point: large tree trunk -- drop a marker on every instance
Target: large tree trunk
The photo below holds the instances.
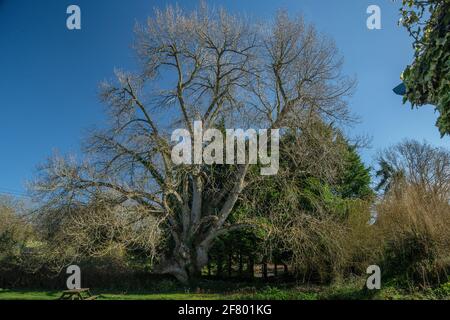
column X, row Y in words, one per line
column 195, row 234
column 184, row 264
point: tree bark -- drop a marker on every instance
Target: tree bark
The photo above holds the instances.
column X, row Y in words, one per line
column 185, row 264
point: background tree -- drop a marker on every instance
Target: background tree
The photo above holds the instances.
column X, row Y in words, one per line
column 417, row 164
column 387, row 176
column 427, row 79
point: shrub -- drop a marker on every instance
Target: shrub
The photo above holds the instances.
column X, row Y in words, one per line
column 415, row 225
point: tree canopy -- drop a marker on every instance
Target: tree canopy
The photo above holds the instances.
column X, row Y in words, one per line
column 205, row 65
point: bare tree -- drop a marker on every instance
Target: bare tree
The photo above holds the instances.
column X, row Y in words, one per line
column 418, row 164
column 205, row 65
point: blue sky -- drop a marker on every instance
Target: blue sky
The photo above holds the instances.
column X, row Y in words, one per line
column 49, row 75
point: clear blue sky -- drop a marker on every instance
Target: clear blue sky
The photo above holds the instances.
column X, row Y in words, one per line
column 49, row 75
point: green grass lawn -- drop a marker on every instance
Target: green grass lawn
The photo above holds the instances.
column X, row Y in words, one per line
column 348, row 291
column 54, row 295
column 269, row 294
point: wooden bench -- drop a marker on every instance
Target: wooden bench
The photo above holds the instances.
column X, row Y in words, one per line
column 77, row 294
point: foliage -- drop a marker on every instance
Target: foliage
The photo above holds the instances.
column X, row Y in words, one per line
column 103, row 230
column 17, row 236
column 356, row 179
column 427, row 80
column 415, row 228
column 413, row 216
column 313, row 211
